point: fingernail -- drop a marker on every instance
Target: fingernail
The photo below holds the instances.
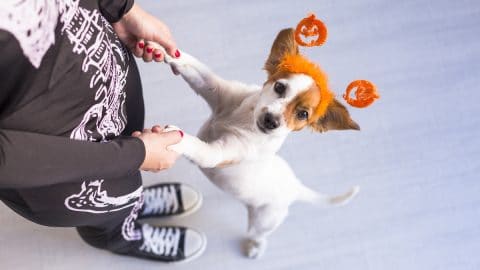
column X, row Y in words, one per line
column 149, row 50
column 157, row 55
column 177, row 53
column 181, row 133
column 141, row 45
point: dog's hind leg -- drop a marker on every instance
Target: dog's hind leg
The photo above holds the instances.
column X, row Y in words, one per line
column 262, row 221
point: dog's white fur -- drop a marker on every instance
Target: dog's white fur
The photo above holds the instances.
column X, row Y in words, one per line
column 234, row 153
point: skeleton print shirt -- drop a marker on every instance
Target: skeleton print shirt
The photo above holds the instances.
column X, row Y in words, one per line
column 67, row 88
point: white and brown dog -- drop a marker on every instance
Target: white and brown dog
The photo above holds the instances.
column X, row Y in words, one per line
column 236, row 148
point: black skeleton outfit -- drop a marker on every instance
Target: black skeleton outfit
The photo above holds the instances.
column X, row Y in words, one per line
column 70, row 96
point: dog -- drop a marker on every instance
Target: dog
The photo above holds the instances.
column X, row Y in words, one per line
column 236, row 147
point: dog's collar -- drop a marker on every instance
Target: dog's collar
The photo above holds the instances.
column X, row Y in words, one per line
column 297, row 63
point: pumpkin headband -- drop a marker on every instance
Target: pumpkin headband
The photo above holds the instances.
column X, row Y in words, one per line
column 310, row 27
column 297, row 63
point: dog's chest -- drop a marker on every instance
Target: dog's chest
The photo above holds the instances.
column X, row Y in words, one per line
column 239, row 180
column 222, row 124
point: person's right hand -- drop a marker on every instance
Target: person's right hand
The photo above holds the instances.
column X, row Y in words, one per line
column 138, row 28
column 157, row 157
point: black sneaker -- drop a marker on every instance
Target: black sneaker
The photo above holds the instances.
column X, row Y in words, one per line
column 169, row 244
column 169, row 199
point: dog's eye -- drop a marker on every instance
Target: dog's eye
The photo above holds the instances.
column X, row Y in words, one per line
column 302, row 115
column 279, row 88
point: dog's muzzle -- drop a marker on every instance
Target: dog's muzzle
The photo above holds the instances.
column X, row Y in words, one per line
column 268, row 122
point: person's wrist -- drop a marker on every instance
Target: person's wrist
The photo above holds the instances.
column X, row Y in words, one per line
column 133, row 12
column 143, row 155
column 128, row 6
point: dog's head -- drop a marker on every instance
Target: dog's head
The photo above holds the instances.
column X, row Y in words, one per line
column 296, row 94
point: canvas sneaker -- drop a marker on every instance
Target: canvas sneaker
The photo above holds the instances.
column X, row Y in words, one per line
column 169, row 244
column 169, row 199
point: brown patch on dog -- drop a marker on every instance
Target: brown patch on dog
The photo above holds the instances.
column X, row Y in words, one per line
column 305, row 101
column 336, row 118
column 226, row 163
column 284, row 44
column 272, row 78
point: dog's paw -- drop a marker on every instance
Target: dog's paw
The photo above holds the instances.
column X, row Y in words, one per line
column 169, row 128
column 254, row 249
column 179, row 68
column 183, row 65
column 179, row 147
column 184, row 60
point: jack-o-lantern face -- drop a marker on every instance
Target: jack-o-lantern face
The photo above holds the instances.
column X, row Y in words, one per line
column 310, row 32
column 365, row 93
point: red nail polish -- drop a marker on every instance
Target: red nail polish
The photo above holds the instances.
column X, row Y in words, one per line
column 177, row 53
column 141, row 45
column 157, row 55
column 181, row 133
column 149, row 50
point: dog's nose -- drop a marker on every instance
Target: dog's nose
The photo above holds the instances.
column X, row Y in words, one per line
column 270, row 121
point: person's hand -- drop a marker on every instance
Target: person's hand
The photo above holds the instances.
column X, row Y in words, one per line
column 137, row 28
column 157, row 157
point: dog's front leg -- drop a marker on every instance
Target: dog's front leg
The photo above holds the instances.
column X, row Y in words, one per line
column 200, row 78
column 207, row 155
column 195, row 73
column 203, row 154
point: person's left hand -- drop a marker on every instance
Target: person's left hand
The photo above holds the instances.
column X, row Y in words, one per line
column 137, row 28
column 156, row 142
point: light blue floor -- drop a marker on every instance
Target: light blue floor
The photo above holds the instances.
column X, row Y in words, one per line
column 416, row 159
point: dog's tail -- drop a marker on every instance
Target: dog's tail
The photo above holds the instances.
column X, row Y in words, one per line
column 308, row 195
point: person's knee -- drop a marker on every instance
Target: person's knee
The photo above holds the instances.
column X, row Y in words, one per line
column 96, row 237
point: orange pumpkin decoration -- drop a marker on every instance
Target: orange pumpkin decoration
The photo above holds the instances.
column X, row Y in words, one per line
column 365, row 93
column 310, row 28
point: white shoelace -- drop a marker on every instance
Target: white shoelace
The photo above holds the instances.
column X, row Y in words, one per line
column 161, row 200
column 160, row 241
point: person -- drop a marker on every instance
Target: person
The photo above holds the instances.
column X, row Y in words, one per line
column 72, row 142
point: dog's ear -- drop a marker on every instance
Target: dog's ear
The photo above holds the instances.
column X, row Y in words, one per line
column 284, row 44
column 335, row 118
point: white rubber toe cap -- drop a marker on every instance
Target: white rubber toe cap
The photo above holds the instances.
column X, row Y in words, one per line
column 195, row 244
column 191, row 199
